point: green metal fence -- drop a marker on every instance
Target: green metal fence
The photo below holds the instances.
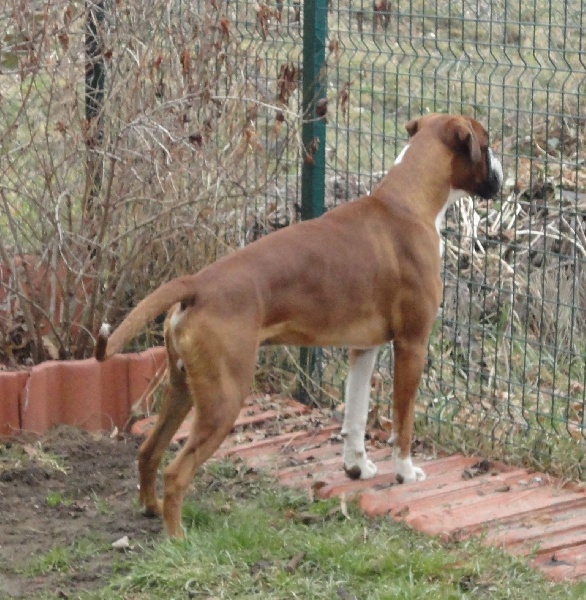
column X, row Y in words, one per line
column 506, row 370
column 506, row 367
column 235, row 92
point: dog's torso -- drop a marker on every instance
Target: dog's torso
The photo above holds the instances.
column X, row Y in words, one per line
column 361, row 264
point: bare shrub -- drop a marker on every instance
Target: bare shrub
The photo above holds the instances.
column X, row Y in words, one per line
column 159, row 181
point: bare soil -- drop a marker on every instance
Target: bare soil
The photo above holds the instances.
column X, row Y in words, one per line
column 82, row 502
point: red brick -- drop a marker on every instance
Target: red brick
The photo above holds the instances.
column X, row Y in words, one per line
column 12, row 384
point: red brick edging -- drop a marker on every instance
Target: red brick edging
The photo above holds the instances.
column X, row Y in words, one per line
column 82, row 393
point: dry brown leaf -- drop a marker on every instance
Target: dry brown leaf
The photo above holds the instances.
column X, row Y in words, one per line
column 315, row 486
column 385, row 424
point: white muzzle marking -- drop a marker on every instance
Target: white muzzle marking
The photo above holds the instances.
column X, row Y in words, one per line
column 494, row 164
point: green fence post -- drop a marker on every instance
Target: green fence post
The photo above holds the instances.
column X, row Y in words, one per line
column 314, row 140
column 314, row 91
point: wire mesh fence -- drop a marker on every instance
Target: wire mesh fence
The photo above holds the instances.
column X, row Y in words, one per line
column 506, row 368
column 202, row 152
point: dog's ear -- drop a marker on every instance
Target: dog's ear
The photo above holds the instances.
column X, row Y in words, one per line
column 412, row 127
column 462, row 137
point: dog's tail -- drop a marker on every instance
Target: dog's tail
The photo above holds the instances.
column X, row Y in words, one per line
column 163, row 298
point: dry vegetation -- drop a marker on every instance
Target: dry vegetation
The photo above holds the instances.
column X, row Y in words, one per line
column 200, row 154
column 162, row 180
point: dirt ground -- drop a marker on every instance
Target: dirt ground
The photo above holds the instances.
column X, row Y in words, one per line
column 67, row 490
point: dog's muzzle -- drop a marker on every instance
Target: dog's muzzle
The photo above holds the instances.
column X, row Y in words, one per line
column 494, row 181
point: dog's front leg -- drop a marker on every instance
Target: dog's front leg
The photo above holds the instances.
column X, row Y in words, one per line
column 356, row 464
column 409, row 362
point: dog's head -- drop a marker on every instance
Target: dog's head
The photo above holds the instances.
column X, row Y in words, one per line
column 475, row 169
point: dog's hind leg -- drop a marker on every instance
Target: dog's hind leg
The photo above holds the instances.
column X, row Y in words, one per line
column 356, row 464
column 176, row 404
column 409, row 362
column 218, row 389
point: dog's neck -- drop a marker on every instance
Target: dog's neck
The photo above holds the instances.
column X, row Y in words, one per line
column 445, row 197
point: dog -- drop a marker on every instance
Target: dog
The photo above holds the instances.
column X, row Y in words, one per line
column 365, row 273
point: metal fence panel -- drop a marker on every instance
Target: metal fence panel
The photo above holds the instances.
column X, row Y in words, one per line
column 203, row 92
column 506, row 367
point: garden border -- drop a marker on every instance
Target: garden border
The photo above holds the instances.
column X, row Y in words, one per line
column 83, row 393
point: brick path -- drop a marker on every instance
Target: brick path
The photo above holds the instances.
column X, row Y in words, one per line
column 518, row 510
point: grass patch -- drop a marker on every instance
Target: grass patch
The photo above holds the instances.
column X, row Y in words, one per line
column 64, row 559
column 55, row 499
column 101, row 505
column 16, row 456
column 56, row 559
column 246, row 537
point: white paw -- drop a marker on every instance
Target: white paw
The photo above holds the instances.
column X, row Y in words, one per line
column 406, row 472
column 417, row 474
column 368, row 470
column 361, row 469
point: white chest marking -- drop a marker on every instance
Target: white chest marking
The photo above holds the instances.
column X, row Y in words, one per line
column 175, row 319
column 453, row 196
column 401, row 155
column 439, row 221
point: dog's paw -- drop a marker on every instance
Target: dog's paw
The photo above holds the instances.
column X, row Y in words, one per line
column 363, row 469
column 153, row 510
column 406, row 472
column 369, row 470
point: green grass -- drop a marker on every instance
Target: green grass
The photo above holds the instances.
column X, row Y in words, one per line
column 55, row 499
column 63, row 559
column 248, row 538
column 56, row 559
column 101, row 505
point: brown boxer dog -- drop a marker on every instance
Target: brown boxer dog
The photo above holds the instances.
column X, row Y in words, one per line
column 365, row 273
